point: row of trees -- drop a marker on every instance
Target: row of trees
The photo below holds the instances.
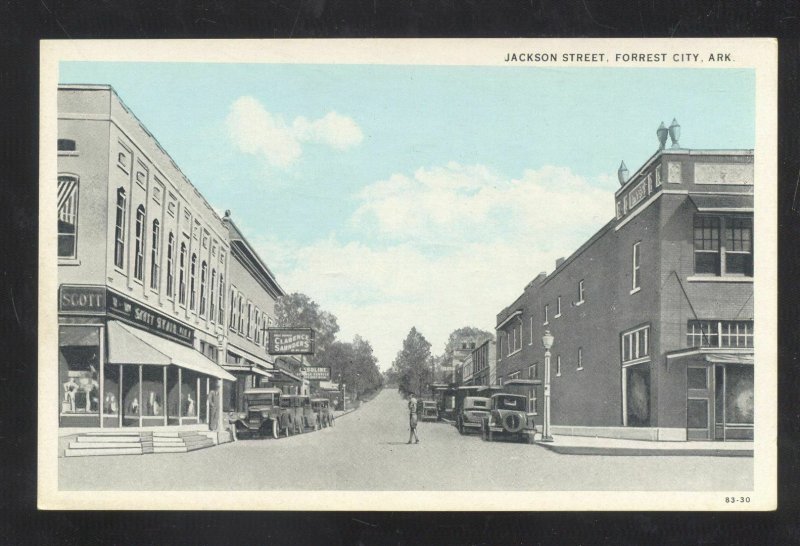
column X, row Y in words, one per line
column 351, row 362
column 415, row 367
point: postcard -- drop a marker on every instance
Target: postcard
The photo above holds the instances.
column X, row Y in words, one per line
column 440, row 274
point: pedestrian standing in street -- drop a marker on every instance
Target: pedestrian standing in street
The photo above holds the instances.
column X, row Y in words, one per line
column 412, row 419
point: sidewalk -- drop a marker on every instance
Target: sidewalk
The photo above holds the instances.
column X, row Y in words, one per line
column 586, row 445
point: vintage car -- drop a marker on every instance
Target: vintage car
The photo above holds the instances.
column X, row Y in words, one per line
column 292, row 404
column 429, row 411
column 473, row 411
column 263, row 415
column 322, row 408
column 508, row 418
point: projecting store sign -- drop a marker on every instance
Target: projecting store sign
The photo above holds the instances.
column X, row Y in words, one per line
column 320, row 373
column 291, row 341
column 131, row 312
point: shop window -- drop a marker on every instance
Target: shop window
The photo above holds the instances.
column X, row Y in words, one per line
column 182, row 275
column 138, row 263
column 739, row 395
column 193, row 283
column 111, row 393
column 67, row 216
column 203, row 281
column 153, row 391
column 719, row 333
column 636, row 265
column 723, row 245
column 170, row 265
column 155, row 256
column 131, row 396
column 78, row 365
column 119, row 229
column 212, row 312
column 189, row 395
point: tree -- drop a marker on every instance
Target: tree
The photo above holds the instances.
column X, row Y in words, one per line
column 412, row 363
column 353, row 364
column 299, row 311
column 468, row 334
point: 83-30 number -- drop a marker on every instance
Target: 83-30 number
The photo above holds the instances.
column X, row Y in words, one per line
column 730, row 500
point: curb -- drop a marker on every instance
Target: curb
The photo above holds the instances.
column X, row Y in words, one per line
column 644, row 452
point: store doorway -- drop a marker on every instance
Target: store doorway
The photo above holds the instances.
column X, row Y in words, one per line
column 719, row 402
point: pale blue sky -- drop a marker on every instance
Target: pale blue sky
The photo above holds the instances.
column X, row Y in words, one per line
column 493, row 123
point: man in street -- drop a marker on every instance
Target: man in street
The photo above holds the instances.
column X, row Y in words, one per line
column 412, row 419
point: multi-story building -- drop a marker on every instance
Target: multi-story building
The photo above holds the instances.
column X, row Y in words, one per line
column 142, row 261
column 467, row 372
column 653, row 315
column 484, row 364
column 252, row 294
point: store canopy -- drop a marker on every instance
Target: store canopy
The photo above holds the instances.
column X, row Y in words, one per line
column 282, row 376
column 730, row 358
column 258, row 371
column 723, row 203
column 134, row 346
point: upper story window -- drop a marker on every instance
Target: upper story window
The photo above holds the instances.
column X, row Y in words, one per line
column 636, row 345
column 119, row 228
column 221, row 316
column 580, row 358
column 558, row 307
column 234, row 318
column 547, row 314
column 67, row 145
column 257, row 333
column 719, row 333
column 249, row 328
column 636, row 264
column 242, row 331
column 558, row 366
column 138, row 263
column 531, row 330
column 723, row 245
column 193, row 283
column 212, row 312
column 203, row 287
column 533, row 371
column 182, row 275
column 581, row 292
column 155, row 256
column 67, row 216
column 170, row 265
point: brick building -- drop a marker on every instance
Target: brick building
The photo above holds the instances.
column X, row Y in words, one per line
column 653, row 315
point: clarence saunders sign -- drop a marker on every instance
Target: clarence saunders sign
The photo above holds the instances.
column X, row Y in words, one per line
column 290, row 341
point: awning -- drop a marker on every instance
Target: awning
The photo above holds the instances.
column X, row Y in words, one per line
column 728, row 358
column 723, row 203
column 128, row 345
column 282, row 376
column 258, row 371
column 524, row 382
column 516, row 313
column 245, row 355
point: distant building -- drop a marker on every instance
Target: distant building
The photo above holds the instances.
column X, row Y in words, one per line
column 653, row 315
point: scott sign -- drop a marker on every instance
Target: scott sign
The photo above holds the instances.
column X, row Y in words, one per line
column 290, row 341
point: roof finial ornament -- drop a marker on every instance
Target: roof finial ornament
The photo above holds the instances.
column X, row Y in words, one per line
column 622, row 173
column 227, row 213
column 675, row 133
column 661, row 132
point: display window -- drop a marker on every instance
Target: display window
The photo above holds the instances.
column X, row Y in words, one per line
column 79, row 365
column 173, row 395
column 131, row 403
column 153, row 391
column 189, row 395
column 111, row 394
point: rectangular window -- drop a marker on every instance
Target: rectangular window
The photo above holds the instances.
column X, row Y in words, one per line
column 138, row 263
column 67, row 216
column 233, row 319
column 716, row 333
column 738, row 246
column 212, row 313
column 636, row 265
column 558, row 306
column 242, row 331
column 580, row 291
column 558, row 366
column 531, row 327
column 723, row 245
column 636, row 344
column 546, row 313
column 221, row 317
column 533, row 371
column 119, row 228
column 580, row 358
column 155, row 256
column 170, row 265
column 706, row 245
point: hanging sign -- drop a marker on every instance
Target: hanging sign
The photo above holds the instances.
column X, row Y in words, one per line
column 290, row 341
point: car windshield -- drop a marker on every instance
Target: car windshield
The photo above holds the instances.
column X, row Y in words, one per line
column 259, row 400
column 477, row 404
column 511, row 403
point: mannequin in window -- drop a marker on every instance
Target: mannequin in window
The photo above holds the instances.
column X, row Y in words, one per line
column 70, row 388
column 134, row 407
column 189, row 405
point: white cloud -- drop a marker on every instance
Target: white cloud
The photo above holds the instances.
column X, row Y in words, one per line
column 254, row 130
column 462, row 245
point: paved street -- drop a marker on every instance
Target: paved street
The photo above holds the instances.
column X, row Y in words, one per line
column 367, row 450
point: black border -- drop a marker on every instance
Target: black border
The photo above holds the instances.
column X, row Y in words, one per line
column 23, row 23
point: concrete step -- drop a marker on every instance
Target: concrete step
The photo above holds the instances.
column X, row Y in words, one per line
column 170, row 449
column 109, row 438
column 162, row 434
column 167, row 439
column 69, row 452
column 111, row 433
column 102, row 445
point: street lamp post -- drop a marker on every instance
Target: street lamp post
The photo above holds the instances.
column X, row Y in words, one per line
column 547, row 342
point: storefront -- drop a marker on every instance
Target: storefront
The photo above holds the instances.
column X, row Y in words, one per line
column 248, row 372
column 124, row 365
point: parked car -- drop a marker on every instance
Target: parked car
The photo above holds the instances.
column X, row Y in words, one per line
column 310, row 419
column 430, row 412
column 323, row 409
column 508, row 418
column 473, row 410
column 292, row 404
column 263, row 415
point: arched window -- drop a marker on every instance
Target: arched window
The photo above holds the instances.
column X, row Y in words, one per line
column 182, row 276
column 67, row 216
column 155, row 256
column 138, row 264
column 241, row 315
column 193, row 283
column 233, row 319
column 119, row 230
column 212, row 312
column 203, row 280
column 170, row 265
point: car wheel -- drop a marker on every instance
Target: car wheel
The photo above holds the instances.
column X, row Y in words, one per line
column 484, row 437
